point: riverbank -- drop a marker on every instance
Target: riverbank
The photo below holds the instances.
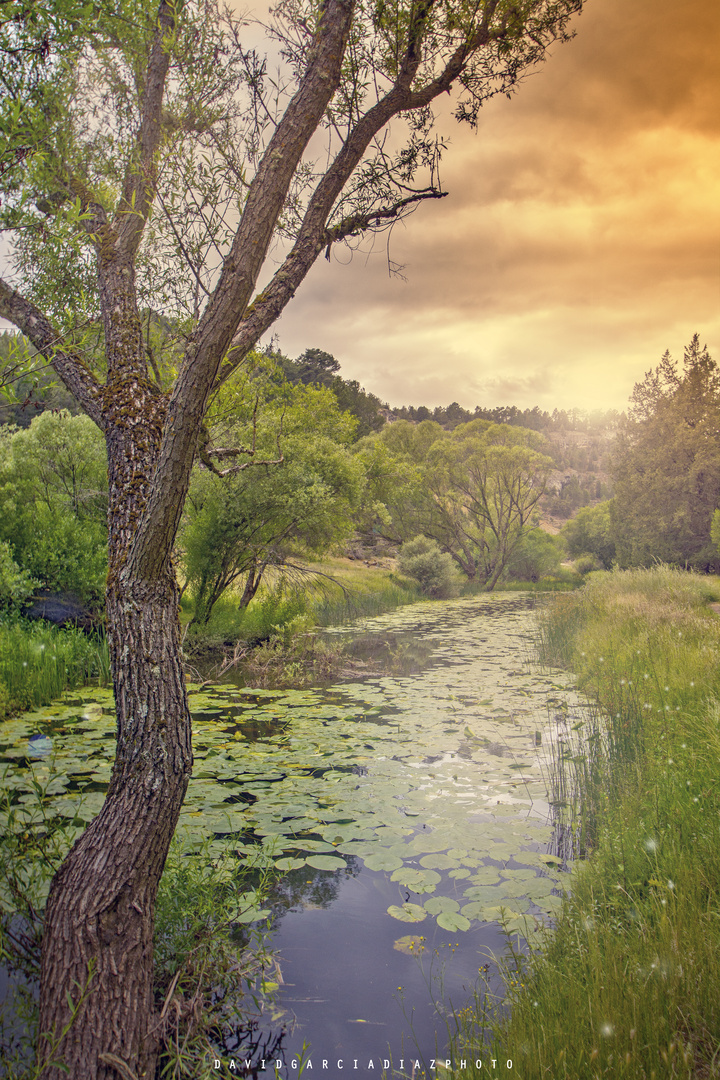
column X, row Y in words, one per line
column 274, row 642
column 628, row 984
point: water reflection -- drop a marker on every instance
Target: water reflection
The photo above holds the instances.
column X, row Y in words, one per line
column 412, row 800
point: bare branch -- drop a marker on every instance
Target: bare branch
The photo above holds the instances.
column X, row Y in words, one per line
column 140, row 181
column 212, row 338
column 206, row 453
column 233, row 470
column 270, row 185
column 358, row 223
column 66, row 363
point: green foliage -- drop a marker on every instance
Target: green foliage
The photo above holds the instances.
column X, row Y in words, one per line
column 422, row 560
column 590, row 532
column 273, row 612
column 27, row 383
column 53, row 499
column 38, row 662
column 715, row 529
column 471, row 490
column 207, row 955
column 585, row 564
column 213, row 970
column 33, row 843
column 628, row 984
column 536, row 555
column 360, row 591
column 15, row 584
column 295, row 493
column 318, row 368
column 666, row 466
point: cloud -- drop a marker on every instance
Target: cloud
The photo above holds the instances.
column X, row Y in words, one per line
column 579, row 239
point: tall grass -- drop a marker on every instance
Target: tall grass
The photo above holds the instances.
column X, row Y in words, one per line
column 628, row 984
column 329, row 593
column 368, row 594
column 38, row 662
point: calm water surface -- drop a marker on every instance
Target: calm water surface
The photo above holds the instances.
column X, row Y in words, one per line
column 404, row 809
column 445, row 777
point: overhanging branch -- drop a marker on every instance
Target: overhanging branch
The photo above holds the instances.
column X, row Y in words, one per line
column 359, row 223
column 68, row 364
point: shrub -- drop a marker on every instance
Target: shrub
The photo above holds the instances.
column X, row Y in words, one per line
column 590, row 532
column 537, row 555
column 585, row 564
column 422, row 560
column 15, row 584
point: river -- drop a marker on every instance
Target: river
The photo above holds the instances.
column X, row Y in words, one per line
column 407, row 812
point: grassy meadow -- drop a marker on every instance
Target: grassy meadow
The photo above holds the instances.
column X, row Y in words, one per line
column 628, row 983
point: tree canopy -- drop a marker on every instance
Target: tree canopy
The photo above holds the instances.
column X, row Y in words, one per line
column 472, row 490
column 297, row 497
column 53, row 502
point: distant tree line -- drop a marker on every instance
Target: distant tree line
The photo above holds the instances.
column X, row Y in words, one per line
column 304, row 460
column 450, row 416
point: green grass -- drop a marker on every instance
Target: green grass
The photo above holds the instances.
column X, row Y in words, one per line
column 327, row 593
column 628, row 984
column 38, row 662
column 361, row 591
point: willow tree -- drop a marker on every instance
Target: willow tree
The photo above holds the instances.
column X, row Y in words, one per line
column 150, row 163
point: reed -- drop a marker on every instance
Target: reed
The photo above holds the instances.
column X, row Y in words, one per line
column 39, row 662
column 627, row 984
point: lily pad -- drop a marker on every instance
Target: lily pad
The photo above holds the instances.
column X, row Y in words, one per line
column 326, row 862
column 411, row 944
column 419, row 881
column 438, row 904
column 452, row 921
column 438, row 862
column 407, row 912
column 289, row 864
column 383, row 860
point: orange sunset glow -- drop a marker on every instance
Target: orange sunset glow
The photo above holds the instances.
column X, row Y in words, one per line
column 580, row 237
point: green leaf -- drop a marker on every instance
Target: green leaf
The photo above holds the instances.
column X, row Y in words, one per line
column 407, row 913
column 383, row 860
column 450, row 920
column 289, row 864
column 438, row 904
column 326, row 862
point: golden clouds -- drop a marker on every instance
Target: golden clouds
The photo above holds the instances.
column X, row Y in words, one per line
column 581, row 236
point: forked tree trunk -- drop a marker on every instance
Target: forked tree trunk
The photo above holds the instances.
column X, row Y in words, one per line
column 100, row 916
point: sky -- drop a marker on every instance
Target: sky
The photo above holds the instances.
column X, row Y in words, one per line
column 580, row 238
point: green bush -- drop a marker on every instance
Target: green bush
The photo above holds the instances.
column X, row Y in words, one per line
column 590, row 532
column 15, row 584
column 537, row 555
column 585, row 564
column 422, row 560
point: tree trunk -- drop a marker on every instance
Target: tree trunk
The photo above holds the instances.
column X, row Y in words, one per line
column 252, row 584
column 99, row 922
column 100, row 916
